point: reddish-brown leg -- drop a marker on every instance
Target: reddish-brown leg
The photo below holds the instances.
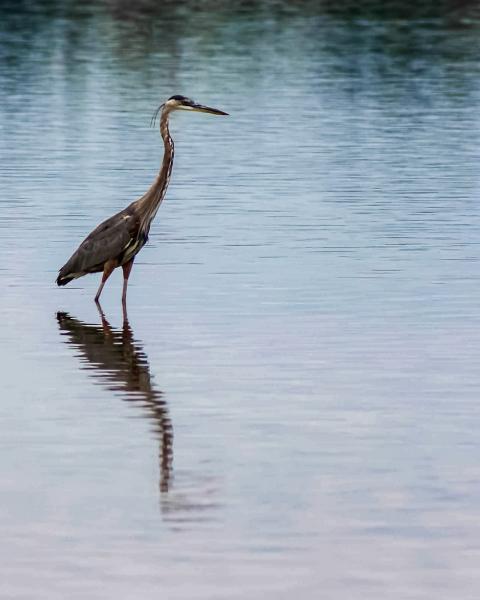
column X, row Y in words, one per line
column 127, row 267
column 107, row 271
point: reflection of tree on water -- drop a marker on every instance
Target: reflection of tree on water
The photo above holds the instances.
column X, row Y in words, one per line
column 115, row 359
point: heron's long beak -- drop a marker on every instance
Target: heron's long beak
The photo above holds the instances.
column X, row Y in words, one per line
column 206, row 109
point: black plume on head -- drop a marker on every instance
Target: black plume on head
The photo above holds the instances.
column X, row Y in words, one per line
column 180, row 98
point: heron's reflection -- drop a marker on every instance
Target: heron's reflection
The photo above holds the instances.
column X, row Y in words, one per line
column 118, row 361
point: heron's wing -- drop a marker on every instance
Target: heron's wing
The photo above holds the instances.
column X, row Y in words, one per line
column 105, row 242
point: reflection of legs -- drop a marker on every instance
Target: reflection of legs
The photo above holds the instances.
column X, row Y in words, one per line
column 127, row 267
column 105, row 323
column 107, row 271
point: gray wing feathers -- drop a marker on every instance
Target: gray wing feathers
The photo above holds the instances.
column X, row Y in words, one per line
column 105, row 242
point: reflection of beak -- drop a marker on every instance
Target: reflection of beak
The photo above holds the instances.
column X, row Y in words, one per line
column 206, row 109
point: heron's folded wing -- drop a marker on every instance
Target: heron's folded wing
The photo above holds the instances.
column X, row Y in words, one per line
column 105, row 242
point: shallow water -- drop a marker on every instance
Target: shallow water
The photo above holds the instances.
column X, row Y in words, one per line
column 292, row 404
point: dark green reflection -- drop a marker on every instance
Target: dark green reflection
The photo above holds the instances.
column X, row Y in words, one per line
column 117, row 361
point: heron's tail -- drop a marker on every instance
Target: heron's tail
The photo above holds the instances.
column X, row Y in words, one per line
column 64, row 279
column 70, row 271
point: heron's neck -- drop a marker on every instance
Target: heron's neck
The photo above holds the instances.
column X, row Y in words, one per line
column 151, row 201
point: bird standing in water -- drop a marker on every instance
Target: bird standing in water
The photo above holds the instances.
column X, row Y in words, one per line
column 116, row 241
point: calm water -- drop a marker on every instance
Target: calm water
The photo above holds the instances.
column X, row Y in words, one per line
column 292, row 407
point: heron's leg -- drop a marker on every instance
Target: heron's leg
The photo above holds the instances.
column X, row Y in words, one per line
column 107, row 271
column 127, row 267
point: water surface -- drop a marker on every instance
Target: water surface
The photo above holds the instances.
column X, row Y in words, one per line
column 291, row 404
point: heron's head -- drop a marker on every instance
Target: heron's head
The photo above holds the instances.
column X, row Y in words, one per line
column 182, row 103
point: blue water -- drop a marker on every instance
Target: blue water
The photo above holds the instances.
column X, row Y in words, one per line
column 292, row 405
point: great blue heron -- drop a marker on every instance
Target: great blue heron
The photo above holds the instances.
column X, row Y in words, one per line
column 116, row 241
